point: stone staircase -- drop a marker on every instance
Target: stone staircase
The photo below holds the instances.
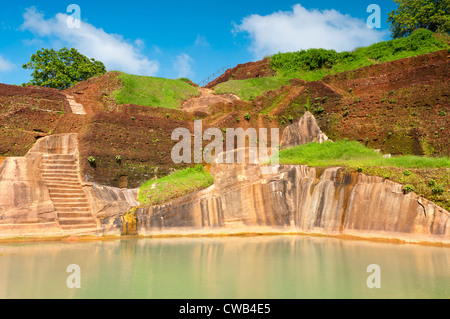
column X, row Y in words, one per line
column 77, row 108
column 60, row 173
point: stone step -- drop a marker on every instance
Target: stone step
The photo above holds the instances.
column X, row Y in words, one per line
column 73, row 208
column 68, row 173
column 57, row 175
column 62, row 181
column 78, row 228
column 78, row 221
column 59, row 193
column 74, row 215
column 69, row 206
column 62, row 157
column 76, row 201
column 55, row 166
column 64, row 187
column 59, row 162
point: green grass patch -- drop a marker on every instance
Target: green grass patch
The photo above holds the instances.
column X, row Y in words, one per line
column 314, row 64
column 353, row 154
column 153, row 91
column 426, row 176
column 249, row 89
column 175, row 185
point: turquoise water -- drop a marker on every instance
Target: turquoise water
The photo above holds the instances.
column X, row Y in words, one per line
column 233, row 267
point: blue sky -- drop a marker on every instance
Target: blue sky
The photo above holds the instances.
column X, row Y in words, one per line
column 181, row 38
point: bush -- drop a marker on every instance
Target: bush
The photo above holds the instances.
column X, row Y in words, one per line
column 408, row 188
column 406, row 172
column 247, row 116
column 319, row 110
column 438, row 190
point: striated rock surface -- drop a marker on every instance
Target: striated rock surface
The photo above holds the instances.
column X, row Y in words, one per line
column 41, row 194
column 305, row 131
column 296, row 199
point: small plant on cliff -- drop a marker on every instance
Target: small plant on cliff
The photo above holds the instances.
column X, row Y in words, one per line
column 291, row 119
column 406, row 173
column 359, row 169
column 247, row 116
column 91, row 159
column 408, row 188
column 319, row 110
column 118, row 159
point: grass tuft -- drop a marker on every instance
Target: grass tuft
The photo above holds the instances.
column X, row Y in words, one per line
column 175, row 185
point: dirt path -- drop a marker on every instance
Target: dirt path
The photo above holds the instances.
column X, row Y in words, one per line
column 206, row 99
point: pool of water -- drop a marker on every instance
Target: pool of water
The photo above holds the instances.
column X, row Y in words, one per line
column 287, row 267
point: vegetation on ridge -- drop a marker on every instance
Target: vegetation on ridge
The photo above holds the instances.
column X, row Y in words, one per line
column 314, row 64
column 153, row 91
column 62, row 69
column 175, row 185
column 427, row 176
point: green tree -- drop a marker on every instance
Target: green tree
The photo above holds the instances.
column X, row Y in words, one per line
column 410, row 15
column 62, row 69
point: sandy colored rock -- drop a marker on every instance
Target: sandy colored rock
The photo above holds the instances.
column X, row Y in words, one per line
column 298, row 199
column 306, row 130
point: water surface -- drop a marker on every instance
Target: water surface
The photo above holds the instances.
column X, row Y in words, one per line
column 232, row 267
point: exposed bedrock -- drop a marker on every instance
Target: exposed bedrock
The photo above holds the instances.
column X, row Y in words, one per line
column 42, row 194
column 305, row 131
column 297, row 199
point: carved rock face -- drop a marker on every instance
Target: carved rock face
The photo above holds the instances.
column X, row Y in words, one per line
column 304, row 132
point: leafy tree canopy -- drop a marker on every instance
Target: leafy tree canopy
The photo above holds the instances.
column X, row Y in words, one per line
column 62, row 69
column 410, row 15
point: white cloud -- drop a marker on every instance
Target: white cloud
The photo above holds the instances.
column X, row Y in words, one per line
column 201, row 41
column 302, row 29
column 183, row 65
column 5, row 65
column 115, row 52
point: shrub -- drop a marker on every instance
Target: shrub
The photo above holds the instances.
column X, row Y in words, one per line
column 359, row 169
column 438, row 190
column 432, row 183
column 319, row 110
column 406, row 172
column 247, row 116
column 408, row 188
column 291, row 119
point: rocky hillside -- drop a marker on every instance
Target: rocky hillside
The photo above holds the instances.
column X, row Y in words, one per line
column 399, row 107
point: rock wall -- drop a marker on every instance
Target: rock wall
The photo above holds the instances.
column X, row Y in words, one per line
column 305, row 131
column 26, row 206
column 297, row 199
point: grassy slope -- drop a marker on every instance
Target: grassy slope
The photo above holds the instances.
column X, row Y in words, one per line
column 314, row 64
column 173, row 186
column 248, row 89
column 428, row 176
column 152, row 91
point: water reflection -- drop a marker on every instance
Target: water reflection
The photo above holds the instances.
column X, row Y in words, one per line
column 255, row 267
